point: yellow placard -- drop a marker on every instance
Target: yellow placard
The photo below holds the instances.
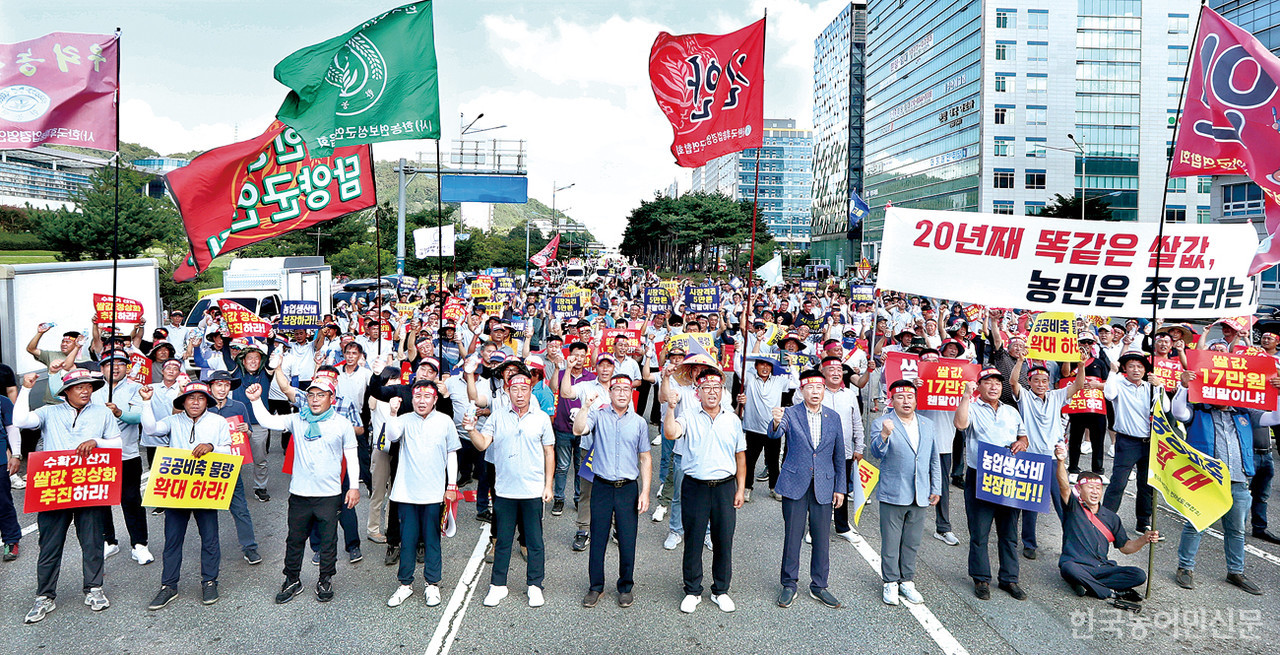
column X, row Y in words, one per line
column 179, row 479
column 480, row 290
column 1194, row 484
column 493, row 308
column 1052, row 336
column 704, row 339
column 868, row 475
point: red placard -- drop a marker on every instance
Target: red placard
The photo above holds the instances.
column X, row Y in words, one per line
column 1169, row 372
column 900, row 366
column 126, row 310
column 941, row 383
column 139, row 368
column 1085, row 401
column 607, row 336
column 61, row 479
column 972, row 312
column 454, row 310
column 406, row 372
column 727, row 358
column 240, row 438
column 1232, row 380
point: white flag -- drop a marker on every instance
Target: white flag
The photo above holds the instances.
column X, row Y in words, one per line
column 771, row 273
column 426, row 241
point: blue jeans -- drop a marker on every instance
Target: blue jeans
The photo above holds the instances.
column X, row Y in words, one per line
column 10, row 529
column 1232, row 532
column 664, row 460
column 677, row 525
column 567, row 453
column 1259, row 487
column 240, row 512
column 175, row 535
column 420, row 521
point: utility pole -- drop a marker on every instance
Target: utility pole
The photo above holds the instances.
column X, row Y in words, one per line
column 319, row 234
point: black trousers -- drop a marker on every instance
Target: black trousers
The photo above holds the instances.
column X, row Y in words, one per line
column 53, row 536
column 756, row 442
column 281, row 408
column 981, row 515
column 702, row 504
column 1096, row 424
column 306, row 512
column 507, row 512
column 841, row 513
column 796, row 515
column 135, row 518
column 1102, row 579
column 610, row 504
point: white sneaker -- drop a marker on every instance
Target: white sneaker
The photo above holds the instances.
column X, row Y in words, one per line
column 657, row 441
column 706, row 541
column 402, row 594
column 110, row 549
column 495, row 595
column 535, row 597
column 948, row 538
column 432, row 593
column 851, row 536
column 808, row 538
column 890, row 593
column 659, row 513
column 724, row 601
column 17, row 482
column 141, row 555
column 672, row 541
column 689, row 604
column 746, row 495
column 1086, row 448
column 1072, row 477
column 909, row 593
column 96, row 600
column 1111, row 452
column 1107, row 479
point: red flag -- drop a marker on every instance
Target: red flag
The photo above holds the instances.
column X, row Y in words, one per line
column 546, row 254
column 59, row 89
column 711, row 87
column 251, row 191
column 1228, row 124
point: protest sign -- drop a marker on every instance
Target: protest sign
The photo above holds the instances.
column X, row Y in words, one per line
column 808, row 285
column 1194, row 484
column 861, row 293
column 1084, row 401
column 1053, row 337
column 407, row 284
column 492, row 308
column 868, row 476
column 139, row 367
column 480, row 289
column 454, row 310
column 608, row 335
column 62, row 479
column 178, row 479
column 702, row 300
column 704, row 339
column 241, row 322
column 504, row 286
column 657, row 299
column 126, row 311
column 405, row 311
column 299, row 315
column 900, row 366
column 240, row 446
column 1021, row 481
column 1169, row 372
column 1234, row 380
column 1053, row 264
column 972, row 311
column 941, row 383
column 565, row 306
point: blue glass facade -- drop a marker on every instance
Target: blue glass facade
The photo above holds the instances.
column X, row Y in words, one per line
column 1261, row 17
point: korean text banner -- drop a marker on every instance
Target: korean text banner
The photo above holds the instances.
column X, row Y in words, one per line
column 862, row 293
column 139, row 367
column 868, row 476
column 566, row 306
column 711, row 88
column 1021, row 480
column 426, row 241
column 657, row 299
column 299, row 315
column 1233, row 380
column 59, row 89
column 179, row 479
column 241, row 322
column 1169, row 372
column 1084, row 401
column 702, row 299
column 454, row 309
column 1196, row 485
column 1053, row 337
column 941, row 384
column 61, row 479
column 251, row 191
column 126, row 310
column 1052, row 264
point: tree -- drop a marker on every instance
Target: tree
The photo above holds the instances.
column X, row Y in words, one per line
column 1096, row 209
column 14, row 220
column 359, row 260
column 694, row 232
column 88, row 230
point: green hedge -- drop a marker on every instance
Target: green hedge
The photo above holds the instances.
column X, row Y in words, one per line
column 24, row 241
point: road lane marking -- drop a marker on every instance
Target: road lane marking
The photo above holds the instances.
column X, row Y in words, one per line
column 938, row 632
column 1212, row 532
column 449, row 624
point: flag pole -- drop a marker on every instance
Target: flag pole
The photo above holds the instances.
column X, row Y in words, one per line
column 115, row 218
column 377, row 274
column 440, row 244
column 755, row 204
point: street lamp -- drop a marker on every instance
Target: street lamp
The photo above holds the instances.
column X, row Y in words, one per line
column 1084, row 178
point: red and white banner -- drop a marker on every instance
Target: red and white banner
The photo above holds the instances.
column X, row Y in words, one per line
column 711, row 88
column 60, row 89
column 1084, row 401
column 1233, row 380
column 1169, row 372
column 941, row 383
column 241, row 322
column 1228, row 123
column 548, row 253
column 139, row 367
column 61, row 479
column 124, row 309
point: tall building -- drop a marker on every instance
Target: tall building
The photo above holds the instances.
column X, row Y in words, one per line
column 838, row 59
column 967, row 110
column 786, row 174
column 44, row 177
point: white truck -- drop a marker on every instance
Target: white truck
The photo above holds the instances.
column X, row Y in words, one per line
column 260, row 284
column 62, row 293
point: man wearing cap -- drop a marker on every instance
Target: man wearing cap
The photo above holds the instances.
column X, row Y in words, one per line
column 764, row 392
column 179, row 334
column 812, row 481
column 523, row 455
column 941, row 428
column 200, row 431
column 1131, row 396
column 567, row 445
column 323, row 440
column 221, row 384
column 80, row 425
column 250, row 369
column 990, row 421
column 70, row 343
column 597, row 389
column 426, row 478
column 1096, row 364
column 126, row 407
column 715, row 476
column 617, row 439
column 843, row 398
column 910, row 481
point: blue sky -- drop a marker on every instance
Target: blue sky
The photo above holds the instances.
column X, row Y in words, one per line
column 569, row 77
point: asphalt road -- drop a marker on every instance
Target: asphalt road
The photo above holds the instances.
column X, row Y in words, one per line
column 1215, row 617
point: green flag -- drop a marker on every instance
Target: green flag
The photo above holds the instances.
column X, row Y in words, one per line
column 375, row 83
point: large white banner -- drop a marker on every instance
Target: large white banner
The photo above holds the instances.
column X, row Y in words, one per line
column 1055, row 264
column 425, row 241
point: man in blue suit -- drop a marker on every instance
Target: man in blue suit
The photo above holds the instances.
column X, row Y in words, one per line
column 910, row 482
column 812, row 480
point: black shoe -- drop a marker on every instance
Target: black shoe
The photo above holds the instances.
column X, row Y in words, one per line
column 209, row 592
column 1185, row 578
column 355, row 555
column 580, row 542
column 324, row 591
column 252, row 557
column 157, row 511
column 262, row 495
column 957, row 481
column 393, row 556
column 1266, row 536
column 1130, row 596
column 823, row 596
column 166, row 596
column 624, row 599
column 557, row 508
column 1079, row 590
column 422, row 553
column 486, row 516
column 1014, row 590
column 1029, row 553
column 786, row 597
column 1244, row 583
column 982, row 590
column 591, row 598
column 288, row 590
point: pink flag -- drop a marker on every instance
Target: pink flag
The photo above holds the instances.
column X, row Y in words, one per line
column 60, row 89
column 546, row 254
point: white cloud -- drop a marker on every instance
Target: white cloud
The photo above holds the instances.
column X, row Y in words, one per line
column 139, row 123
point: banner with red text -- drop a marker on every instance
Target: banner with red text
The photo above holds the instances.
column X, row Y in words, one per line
column 241, row 322
column 1233, row 380
column 941, row 383
column 61, row 479
column 126, row 310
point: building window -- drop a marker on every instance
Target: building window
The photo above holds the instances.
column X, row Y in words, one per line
column 1202, row 215
column 1006, row 19
column 1003, row 178
column 1034, row 208
column 1036, row 115
column 1243, row 199
column 1175, row 214
column 1038, row 19
column 1037, row 84
column 1176, row 185
column 1004, row 51
column 1204, row 183
column 1178, row 55
column 1038, row 51
column 1178, row 23
column 1004, row 146
column 1002, row 207
column 1004, row 83
column 1035, row 179
column 1035, row 147
column 1002, row 115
